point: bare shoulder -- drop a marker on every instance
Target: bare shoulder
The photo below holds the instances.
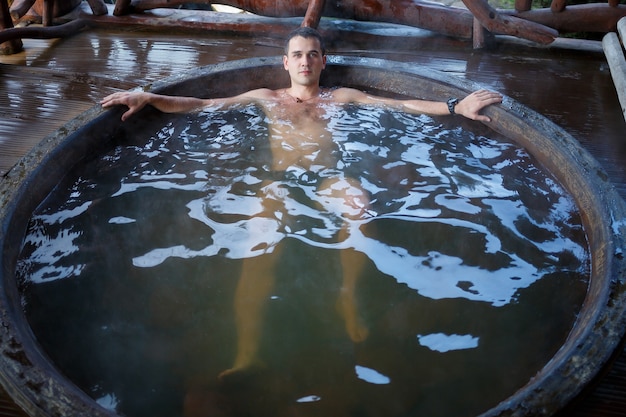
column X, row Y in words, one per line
column 348, row 95
column 253, row 96
column 261, row 94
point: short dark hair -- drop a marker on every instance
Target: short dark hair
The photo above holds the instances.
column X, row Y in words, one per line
column 306, row 33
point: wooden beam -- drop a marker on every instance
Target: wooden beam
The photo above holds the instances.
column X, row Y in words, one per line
column 450, row 21
column 592, row 17
column 20, row 7
column 49, row 32
column 509, row 25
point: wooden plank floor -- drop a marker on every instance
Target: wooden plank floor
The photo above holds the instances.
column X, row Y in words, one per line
column 53, row 81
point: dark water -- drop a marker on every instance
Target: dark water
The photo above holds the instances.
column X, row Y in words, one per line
column 472, row 267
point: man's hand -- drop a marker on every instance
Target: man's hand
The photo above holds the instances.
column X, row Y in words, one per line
column 135, row 101
column 471, row 105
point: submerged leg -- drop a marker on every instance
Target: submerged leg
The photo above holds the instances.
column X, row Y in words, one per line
column 346, row 198
column 352, row 265
column 254, row 287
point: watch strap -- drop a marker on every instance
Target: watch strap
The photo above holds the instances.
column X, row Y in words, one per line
column 452, row 102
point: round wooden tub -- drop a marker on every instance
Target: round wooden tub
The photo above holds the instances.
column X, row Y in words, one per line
column 41, row 389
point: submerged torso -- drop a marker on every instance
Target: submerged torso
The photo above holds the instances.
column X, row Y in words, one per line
column 299, row 135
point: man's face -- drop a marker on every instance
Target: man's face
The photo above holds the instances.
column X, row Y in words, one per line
column 304, row 60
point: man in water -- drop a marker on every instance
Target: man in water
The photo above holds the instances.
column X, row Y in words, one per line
column 304, row 59
column 301, row 142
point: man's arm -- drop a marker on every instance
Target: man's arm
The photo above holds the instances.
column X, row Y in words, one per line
column 469, row 107
column 137, row 100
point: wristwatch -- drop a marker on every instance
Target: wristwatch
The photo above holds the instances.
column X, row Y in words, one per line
column 451, row 103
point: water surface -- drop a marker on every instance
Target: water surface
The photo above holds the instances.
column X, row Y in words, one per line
column 474, row 267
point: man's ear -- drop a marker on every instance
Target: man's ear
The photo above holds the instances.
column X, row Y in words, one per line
column 324, row 62
column 285, row 59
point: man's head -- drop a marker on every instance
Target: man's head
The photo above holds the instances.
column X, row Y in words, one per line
column 304, row 57
column 306, row 33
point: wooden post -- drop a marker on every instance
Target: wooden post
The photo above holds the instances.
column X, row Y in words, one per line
column 558, row 6
column 613, row 3
column 481, row 37
column 313, row 13
column 122, row 7
column 478, row 35
column 523, row 5
column 617, row 63
column 48, row 12
column 15, row 45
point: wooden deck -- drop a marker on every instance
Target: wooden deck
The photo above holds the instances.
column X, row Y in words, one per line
column 53, row 81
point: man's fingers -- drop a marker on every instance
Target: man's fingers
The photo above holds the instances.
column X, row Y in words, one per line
column 114, row 99
column 109, row 101
column 123, row 98
column 127, row 114
column 474, row 103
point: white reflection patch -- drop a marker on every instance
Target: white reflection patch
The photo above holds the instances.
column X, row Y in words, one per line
column 309, row 399
column 121, row 220
column 370, row 375
column 441, row 342
column 108, row 401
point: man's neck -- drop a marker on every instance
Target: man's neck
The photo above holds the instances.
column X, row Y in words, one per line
column 303, row 93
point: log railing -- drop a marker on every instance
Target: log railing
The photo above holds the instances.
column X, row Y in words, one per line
column 478, row 22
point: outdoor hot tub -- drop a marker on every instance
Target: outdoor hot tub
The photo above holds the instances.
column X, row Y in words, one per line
column 40, row 384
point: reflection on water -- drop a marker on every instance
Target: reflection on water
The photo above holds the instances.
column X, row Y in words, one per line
column 475, row 265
